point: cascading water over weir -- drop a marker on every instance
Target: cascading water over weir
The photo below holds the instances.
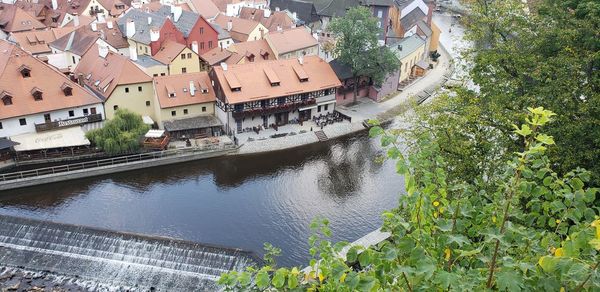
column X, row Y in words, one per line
column 115, row 258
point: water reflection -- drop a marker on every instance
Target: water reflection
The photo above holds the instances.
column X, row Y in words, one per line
column 232, row 201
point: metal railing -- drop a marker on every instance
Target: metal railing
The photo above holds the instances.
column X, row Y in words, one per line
column 148, row 156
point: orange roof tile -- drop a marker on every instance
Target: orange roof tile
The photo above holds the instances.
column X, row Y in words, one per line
column 43, row 77
column 36, row 41
column 240, row 29
column 179, row 85
column 13, row 19
column 291, row 40
column 216, row 56
column 168, row 52
column 235, row 53
column 276, row 19
column 104, row 74
column 206, row 8
column 255, row 84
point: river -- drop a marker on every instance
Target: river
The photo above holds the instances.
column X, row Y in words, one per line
column 238, row 202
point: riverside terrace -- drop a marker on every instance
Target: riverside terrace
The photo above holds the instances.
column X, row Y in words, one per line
column 273, row 93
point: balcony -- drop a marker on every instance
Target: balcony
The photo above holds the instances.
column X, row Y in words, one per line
column 272, row 109
column 68, row 123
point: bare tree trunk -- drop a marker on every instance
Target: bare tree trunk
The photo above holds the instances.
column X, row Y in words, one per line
column 356, row 79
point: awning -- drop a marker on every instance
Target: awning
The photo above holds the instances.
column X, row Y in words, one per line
column 5, row 143
column 155, row 134
column 307, row 108
column 148, row 120
column 68, row 137
column 192, row 123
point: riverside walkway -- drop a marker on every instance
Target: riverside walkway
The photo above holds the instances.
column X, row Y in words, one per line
column 99, row 258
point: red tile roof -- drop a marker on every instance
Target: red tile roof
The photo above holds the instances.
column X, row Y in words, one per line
column 43, row 77
column 166, row 86
column 13, row 19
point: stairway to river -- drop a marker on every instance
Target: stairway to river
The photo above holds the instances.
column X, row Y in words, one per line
column 115, row 258
column 321, row 136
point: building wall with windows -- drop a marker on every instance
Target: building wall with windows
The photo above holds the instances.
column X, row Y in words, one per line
column 137, row 97
column 183, row 112
column 14, row 126
column 186, row 62
column 204, row 34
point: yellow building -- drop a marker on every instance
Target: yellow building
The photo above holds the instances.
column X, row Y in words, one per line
column 178, row 58
column 410, row 51
column 241, row 30
column 185, row 105
column 116, row 79
column 151, row 66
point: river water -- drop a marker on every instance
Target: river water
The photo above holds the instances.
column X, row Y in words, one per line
column 232, row 201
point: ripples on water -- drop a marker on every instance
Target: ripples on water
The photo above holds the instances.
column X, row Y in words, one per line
column 233, row 201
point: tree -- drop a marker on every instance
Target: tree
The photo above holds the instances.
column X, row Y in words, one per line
column 534, row 230
column 121, row 134
column 356, row 45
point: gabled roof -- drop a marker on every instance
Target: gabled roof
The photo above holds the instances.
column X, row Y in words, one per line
column 305, row 10
column 104, row 74
column 168, row 52
column 112, row 36
column 42, row 76
column 333, row 8
column 223, row 34
column 206, row 8
column 424, row 28
column 234, row 54
column 276, row 19
column 241, row 28
column 386, row 3
column 255, row 85
column 147, row 61
column 77, row 42
column 115, row 7
column 13, row 19
column 186, row 21
column 38, row 41
column 180, row 86
column 216, row 56
column 142, row 28
column 291, row 40
column 411, row 19
column 406, row 46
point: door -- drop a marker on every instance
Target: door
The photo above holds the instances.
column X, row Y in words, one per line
column 47, row 118
column 239, row 125
column 265, row 121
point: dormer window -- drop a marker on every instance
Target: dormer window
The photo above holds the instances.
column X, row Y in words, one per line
column 275, row 84
column 6, row 98
column 37, row 93
column 25, row 71
column 250, row 57
column 67, row 89
column 264, row 55
column 204, row 90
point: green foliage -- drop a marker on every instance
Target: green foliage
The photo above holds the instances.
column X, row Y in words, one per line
column 357, row 46
column 121, row 134
column 530, row 229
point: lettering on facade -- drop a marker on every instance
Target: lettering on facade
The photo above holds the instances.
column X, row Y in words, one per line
column 73, row 122
column 49, row 138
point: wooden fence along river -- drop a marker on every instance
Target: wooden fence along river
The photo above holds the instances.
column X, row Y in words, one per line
column 45, row 175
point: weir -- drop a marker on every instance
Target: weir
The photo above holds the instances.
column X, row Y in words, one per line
column 115, row 258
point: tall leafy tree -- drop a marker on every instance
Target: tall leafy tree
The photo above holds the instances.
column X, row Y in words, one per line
column 356, row 45
column 121, row 134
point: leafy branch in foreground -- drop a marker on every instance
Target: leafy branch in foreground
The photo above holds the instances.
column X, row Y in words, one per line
column 534, row 230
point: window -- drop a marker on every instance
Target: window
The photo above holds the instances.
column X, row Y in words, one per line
column 173, row 113
column 25, row 71
column 380, row 14
column 1, row 126
column 7, row 100
column 202, row 46
column 183, row 56
column 23, row 122
column 73, row 58
column 210, row 44
column 86, row 111
column 139, row 88
column 185, row 111
column 71, row 113
column 67, row 89
column 162, row 74
column 47, row 118
column 183, row 70
column 203, row 109
column 326, row 107
column 126, row 89
column 37, row 94
column 146, row 50
column 115, row 107
column 318, row 109
column 201, row 30
column 93, row 110
column 155, row 75
column 189, row 55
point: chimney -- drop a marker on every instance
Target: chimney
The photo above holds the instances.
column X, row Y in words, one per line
column 177, row 13
column 192, row 88
column 149, row 20
column 301, row 60
column 75, row 19
column 94, row 26
column 267, row 13
column 109, row 25
column 54, row 4
column 399, row 47
column 102, row 51
column 130, row 28
column 195, row 47
column 276, row 8
column 154, row 34
column 229, row 25
column 80, row 79
column 100, row 18
column 133, row 53
column 224, row 66
column 279, row 28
